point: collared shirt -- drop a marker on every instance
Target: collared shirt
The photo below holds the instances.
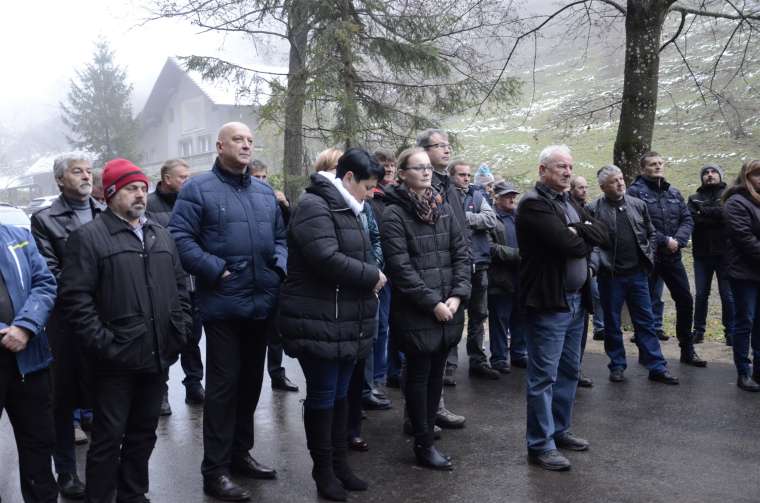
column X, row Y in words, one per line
column 136, row 229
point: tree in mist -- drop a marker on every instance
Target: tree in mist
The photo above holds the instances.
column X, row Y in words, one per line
column 733, row 25
column 363, row 72
column 98, row 109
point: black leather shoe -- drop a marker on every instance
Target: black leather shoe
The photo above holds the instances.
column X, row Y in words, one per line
column 570, row 442
column 661, row 335
column 70, row 486
column 484, row 372
column 664, row 377
column 166, row 409
column 222, row 487
column 633, row 339
column 447, row 419
column 616, row 375
column 598, row 335
column 690, row 357
column 585, row 382
column 747, row 383
column 195, row 395
column 358, row 444
column 283, row 383
column 502, row 368
column 698, row 338
column 374, row 403
column 549, row 460
column 520, row 363
column 249, row 467
column 429, row 457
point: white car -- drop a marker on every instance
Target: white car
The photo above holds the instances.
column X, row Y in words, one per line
column 39, row 203
column 10, row 215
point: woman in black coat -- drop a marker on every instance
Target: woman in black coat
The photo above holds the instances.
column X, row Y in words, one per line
column 427, row 263
column 328, row 306
column 742, row 217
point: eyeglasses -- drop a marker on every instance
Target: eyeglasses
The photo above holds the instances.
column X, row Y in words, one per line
column 442, row 146
column 422, row 167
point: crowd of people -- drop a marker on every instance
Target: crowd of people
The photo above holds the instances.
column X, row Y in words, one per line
column 365, row 281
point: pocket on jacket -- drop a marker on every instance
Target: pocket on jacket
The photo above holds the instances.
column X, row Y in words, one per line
column 125, row 349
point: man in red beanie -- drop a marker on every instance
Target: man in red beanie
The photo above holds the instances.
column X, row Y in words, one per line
column 125, row 294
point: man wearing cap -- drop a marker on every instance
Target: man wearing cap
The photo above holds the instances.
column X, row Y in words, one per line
column 709, row 242
column 125, row 295
column 230, row 234
column 506, row 324
column 51, row 228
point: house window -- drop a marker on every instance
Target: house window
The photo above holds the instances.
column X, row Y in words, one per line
column 204, row 144
column 192, row 115
column 185, row 148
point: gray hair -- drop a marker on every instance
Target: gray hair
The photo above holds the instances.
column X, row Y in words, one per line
column 63, row 161
column 549, row 151
column 605, row 172
column 423, row 139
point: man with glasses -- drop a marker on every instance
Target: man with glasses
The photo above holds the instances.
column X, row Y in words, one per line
column 437, row 146
column 555, row 238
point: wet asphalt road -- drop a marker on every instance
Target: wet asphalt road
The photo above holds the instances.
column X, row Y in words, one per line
column 697, row 442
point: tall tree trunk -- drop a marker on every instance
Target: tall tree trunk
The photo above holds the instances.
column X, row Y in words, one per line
column 295, row 100
column 643, row 27
column 348, row 118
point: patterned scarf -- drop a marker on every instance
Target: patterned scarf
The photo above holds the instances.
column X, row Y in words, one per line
column 427, row 205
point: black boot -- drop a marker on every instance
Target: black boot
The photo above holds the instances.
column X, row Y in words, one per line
column 340, row 449
column 318, row 426
column 690, row 357
column 429, row 457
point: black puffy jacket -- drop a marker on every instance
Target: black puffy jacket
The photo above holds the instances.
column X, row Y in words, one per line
column 126, row 301
column 426, row 264
column 709, row 238
column 327, row 307
column 160, row 205
column 742, row 216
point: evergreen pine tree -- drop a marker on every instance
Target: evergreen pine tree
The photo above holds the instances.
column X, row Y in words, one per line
column 98, row 110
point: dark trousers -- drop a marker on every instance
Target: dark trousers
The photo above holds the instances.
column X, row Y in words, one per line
column 704, row 269
column 422, row 390
column 327, row 381
column 633, row 290
column 190, row 357
column 235, row 353
column 354, row 396
column 477, row 313
column 30, row 411
column 274, row 352
column 747, row 327
column 673, row 274
column 127, row 407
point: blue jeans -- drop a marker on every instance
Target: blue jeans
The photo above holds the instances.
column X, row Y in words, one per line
column 381, row 343
column 598, row 311
column 747, row 325
column 506, row 329
column 326, row 381
column 633, row 290
column 554, row 359
column 704, row 268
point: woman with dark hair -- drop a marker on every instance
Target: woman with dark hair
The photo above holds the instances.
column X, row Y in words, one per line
column 328, row 305
column 742, row 217
column 427, row 261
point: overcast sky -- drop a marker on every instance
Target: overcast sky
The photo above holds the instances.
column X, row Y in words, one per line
column 44, row 41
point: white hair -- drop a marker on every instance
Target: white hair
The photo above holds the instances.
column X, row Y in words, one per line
column 63, row 162
column 550, row 151
column 605, row 172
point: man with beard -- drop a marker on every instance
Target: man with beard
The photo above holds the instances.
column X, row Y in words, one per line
column 51, row 228
column 709, row 243
column 174, row 174
column 125, row 295
column 231, row 236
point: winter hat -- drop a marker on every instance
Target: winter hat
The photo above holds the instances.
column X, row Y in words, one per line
column 503, row 188
column 711, row 166
column 484, row 176
column 120, row 172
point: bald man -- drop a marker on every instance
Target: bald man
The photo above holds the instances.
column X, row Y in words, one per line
column 231, row 236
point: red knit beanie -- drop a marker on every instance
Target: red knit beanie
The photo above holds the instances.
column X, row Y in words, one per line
column 120, row 172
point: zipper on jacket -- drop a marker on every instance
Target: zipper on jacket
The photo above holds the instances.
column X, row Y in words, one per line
column 337, row 292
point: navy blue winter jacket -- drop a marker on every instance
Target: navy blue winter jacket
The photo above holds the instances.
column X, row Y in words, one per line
column 668, row 212
column 32, row 288
column 226, row 221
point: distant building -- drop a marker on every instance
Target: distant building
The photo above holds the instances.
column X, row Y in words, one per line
column 182, row 116
column 36, row 181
